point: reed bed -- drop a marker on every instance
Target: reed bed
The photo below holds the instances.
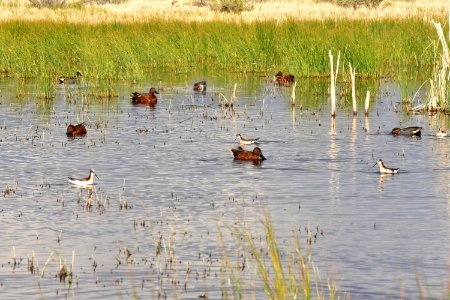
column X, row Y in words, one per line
column 109, row 53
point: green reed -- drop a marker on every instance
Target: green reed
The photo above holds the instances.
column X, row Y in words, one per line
column 108, row 53
column 285, row 272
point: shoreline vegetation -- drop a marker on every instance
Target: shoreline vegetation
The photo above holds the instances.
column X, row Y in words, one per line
column 125, row 40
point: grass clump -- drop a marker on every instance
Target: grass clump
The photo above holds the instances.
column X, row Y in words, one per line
column 284, row 272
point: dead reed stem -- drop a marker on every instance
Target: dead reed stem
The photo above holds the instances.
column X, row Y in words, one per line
column 366, row 107
column 353, row 77
column 333, row 82
column 233, row 95
column 293, row 94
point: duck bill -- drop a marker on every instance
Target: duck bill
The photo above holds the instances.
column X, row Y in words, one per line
column 262, row 157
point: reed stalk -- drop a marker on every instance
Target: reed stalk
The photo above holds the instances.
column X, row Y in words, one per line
column 439, row 83
column 353, row 78
column 233, row 95
column 366, row 106
column 293, row 94
column 333, row 79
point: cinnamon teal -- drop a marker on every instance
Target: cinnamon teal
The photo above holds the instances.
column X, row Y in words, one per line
column 78, row 129
column 284, row 80
column 149, row 98
column 241, row 154
column 84, row 182
column 409, row 131
column 384, row 169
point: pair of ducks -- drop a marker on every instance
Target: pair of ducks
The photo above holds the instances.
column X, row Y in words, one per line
column 150, row 98
column 416, row 131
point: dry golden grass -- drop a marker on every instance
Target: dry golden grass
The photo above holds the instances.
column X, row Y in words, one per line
column 138, row 11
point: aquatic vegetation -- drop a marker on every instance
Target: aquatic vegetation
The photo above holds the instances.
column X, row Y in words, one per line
column 285, row 272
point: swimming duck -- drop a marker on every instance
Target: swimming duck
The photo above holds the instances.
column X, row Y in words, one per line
column 73, row 130
column 200, row 86
column 441, row 132
column 384, row 169
column 244, row 141
column 84, row 182
column 410, row 131
column 149, row 98
column 70, row 80
column 284, row 80
column 241, row 154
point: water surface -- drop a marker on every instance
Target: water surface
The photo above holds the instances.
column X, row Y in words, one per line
column 168, row 183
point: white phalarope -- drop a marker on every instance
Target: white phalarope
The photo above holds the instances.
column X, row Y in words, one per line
column 84, row 182
column 441, row 132
column 244, row 141
column 384, row 169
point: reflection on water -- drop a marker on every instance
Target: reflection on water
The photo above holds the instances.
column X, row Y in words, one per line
column 169, row 183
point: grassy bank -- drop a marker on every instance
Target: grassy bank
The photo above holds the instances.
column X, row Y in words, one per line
column 113, row 51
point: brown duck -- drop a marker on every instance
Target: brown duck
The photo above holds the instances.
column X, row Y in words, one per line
column 73, row 130
column 241, row 154
column 149, row 98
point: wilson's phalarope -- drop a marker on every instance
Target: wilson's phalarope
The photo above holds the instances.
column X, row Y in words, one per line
column 410, row 131
column 384, row 169
column 84, row 182
column 244, row 141
column 241, row 154
column 441, row 132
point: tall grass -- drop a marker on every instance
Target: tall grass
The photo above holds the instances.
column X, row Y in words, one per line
column 115, row 52
column 284, row 272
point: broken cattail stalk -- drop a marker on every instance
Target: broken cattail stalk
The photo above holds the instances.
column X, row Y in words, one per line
column 293, row 94
column 366, row 108
column 233, row 95
column 353, row 77
column 333, row 82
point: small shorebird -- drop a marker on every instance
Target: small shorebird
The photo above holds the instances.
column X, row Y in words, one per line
column 149, row 98
column 84, row 182
column 384, row 169
column 241, row 154
column 78, row 129
column 410, row 131
column 70, row 80
column 441, row 132
column 244, row 141
column 200, row 86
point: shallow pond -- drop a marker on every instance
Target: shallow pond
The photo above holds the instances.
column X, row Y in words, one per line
column 168, row 183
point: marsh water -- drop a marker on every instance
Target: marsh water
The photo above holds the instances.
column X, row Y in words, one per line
column 168, row 184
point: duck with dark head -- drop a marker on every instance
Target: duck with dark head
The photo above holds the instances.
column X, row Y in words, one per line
column 200, row 87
